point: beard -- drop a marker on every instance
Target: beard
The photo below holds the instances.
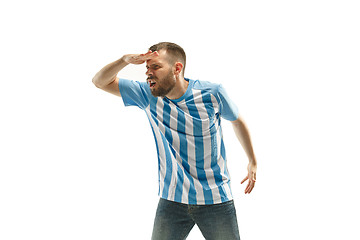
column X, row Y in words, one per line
column 163, row 86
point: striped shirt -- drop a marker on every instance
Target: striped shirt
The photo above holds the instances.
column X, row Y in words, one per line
column 189, row 140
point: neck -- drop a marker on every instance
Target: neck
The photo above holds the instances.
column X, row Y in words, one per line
column 179, row 88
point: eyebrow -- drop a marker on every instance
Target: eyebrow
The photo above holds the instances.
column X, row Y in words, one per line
column 154, row 64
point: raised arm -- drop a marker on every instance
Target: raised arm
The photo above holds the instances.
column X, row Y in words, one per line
column 107, row 80
column 243, row 136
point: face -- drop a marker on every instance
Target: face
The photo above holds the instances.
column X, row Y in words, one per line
column 160, row 76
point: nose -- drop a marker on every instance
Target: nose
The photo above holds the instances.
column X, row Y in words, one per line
column 149, row 72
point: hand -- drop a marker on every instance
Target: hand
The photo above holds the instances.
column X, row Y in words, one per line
column 251, row 177
column 139, row 58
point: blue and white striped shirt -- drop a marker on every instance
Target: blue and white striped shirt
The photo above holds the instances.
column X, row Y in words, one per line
column 189, row 140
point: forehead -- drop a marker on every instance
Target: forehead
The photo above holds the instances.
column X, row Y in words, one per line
column 160, row 59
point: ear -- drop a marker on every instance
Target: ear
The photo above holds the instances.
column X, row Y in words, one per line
column 178, row 68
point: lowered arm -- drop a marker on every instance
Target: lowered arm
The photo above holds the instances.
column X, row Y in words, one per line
column 242, row 133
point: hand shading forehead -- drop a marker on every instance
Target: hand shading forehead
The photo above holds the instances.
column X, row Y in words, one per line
column 159, row 60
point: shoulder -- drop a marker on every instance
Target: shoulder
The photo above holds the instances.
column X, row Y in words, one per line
column 208, row 86
column 134, row 85
column 128, row 82
column 134, row 93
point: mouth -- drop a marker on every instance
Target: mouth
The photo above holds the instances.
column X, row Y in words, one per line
column 151, row 82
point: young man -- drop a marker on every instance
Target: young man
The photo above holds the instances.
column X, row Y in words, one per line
column 185, row 117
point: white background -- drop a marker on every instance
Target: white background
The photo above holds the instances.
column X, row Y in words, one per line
column 76, row 164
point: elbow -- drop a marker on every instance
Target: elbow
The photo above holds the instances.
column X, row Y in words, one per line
column 95, row 81
column 239, row 120
column 239, row 123
column 101, row 81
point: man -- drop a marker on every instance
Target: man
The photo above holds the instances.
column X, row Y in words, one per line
column 185, row 116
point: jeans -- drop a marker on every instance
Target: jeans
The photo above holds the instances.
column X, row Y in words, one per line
column 174, row 221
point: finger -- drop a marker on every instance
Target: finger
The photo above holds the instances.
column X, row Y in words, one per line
column 250, row 187
column 144, row 54
column 155, row 53
column 246, row 178
column 149, row 55
column 247, row 189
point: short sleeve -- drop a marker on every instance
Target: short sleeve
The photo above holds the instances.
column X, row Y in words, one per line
column 227, row 109
column 134, row 93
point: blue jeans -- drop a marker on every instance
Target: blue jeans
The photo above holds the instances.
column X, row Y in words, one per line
column 174, row 221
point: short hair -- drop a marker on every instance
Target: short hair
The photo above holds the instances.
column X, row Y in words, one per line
column 176, row 52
